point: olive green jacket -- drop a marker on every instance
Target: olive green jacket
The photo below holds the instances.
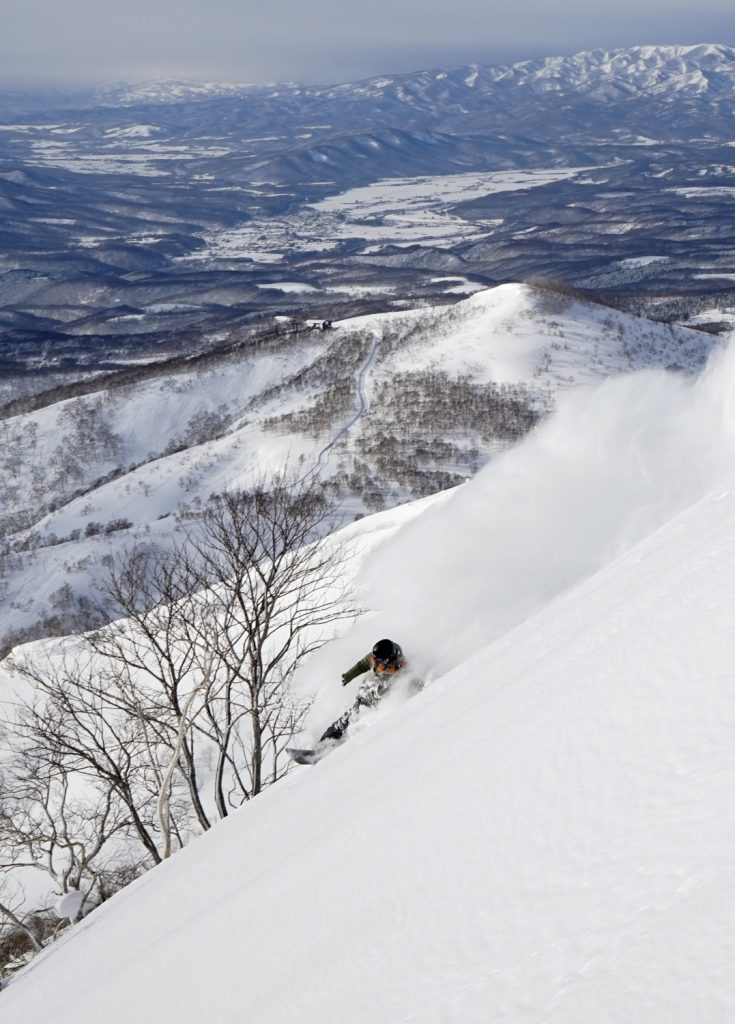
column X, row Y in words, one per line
column 363, row 665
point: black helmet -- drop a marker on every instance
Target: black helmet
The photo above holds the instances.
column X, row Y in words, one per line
column 386, row 652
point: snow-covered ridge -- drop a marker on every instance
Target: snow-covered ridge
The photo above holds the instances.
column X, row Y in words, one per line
column 174, row 91
column 605, row 74
column 622, row 72
column 370, row 402
column 666, row 72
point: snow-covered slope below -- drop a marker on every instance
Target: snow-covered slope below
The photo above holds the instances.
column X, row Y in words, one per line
column 546, row 832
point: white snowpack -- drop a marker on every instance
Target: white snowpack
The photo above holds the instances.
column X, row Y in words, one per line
column 69, row 905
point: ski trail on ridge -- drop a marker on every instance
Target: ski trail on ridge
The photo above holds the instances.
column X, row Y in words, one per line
column 362, row 408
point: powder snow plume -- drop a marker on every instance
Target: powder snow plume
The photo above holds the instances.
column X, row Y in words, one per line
column 611, row 465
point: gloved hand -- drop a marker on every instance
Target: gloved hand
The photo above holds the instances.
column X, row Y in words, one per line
column 345, row 680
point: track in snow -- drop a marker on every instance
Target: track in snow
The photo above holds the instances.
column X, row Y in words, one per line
column 362, row 407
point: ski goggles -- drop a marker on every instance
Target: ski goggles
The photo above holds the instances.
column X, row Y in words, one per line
column 382, row 666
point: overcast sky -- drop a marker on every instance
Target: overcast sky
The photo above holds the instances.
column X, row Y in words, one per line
column 324, row 40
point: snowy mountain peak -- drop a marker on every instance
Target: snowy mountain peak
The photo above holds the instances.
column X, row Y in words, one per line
column 630, row 71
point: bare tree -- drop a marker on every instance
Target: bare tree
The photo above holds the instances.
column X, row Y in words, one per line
column 219, row 625
column 276, row 580
column 85, row 720
column 44, row 827
column 181, row 709
column 155, row 647
column 54, row 824
column 19, row 932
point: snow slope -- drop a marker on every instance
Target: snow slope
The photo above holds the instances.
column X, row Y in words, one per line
column 545, row 833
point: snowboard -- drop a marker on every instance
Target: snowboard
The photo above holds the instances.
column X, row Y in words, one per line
column 313, row 756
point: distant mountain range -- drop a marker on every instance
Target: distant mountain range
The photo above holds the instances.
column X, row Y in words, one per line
column 609, row 76
column 143, row 220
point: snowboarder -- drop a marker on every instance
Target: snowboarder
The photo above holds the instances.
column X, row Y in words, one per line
column 384, row 663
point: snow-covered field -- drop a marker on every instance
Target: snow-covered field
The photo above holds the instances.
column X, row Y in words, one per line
column 125, row 151
column 394, row 211
column 546, row 832
column 386, row 197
